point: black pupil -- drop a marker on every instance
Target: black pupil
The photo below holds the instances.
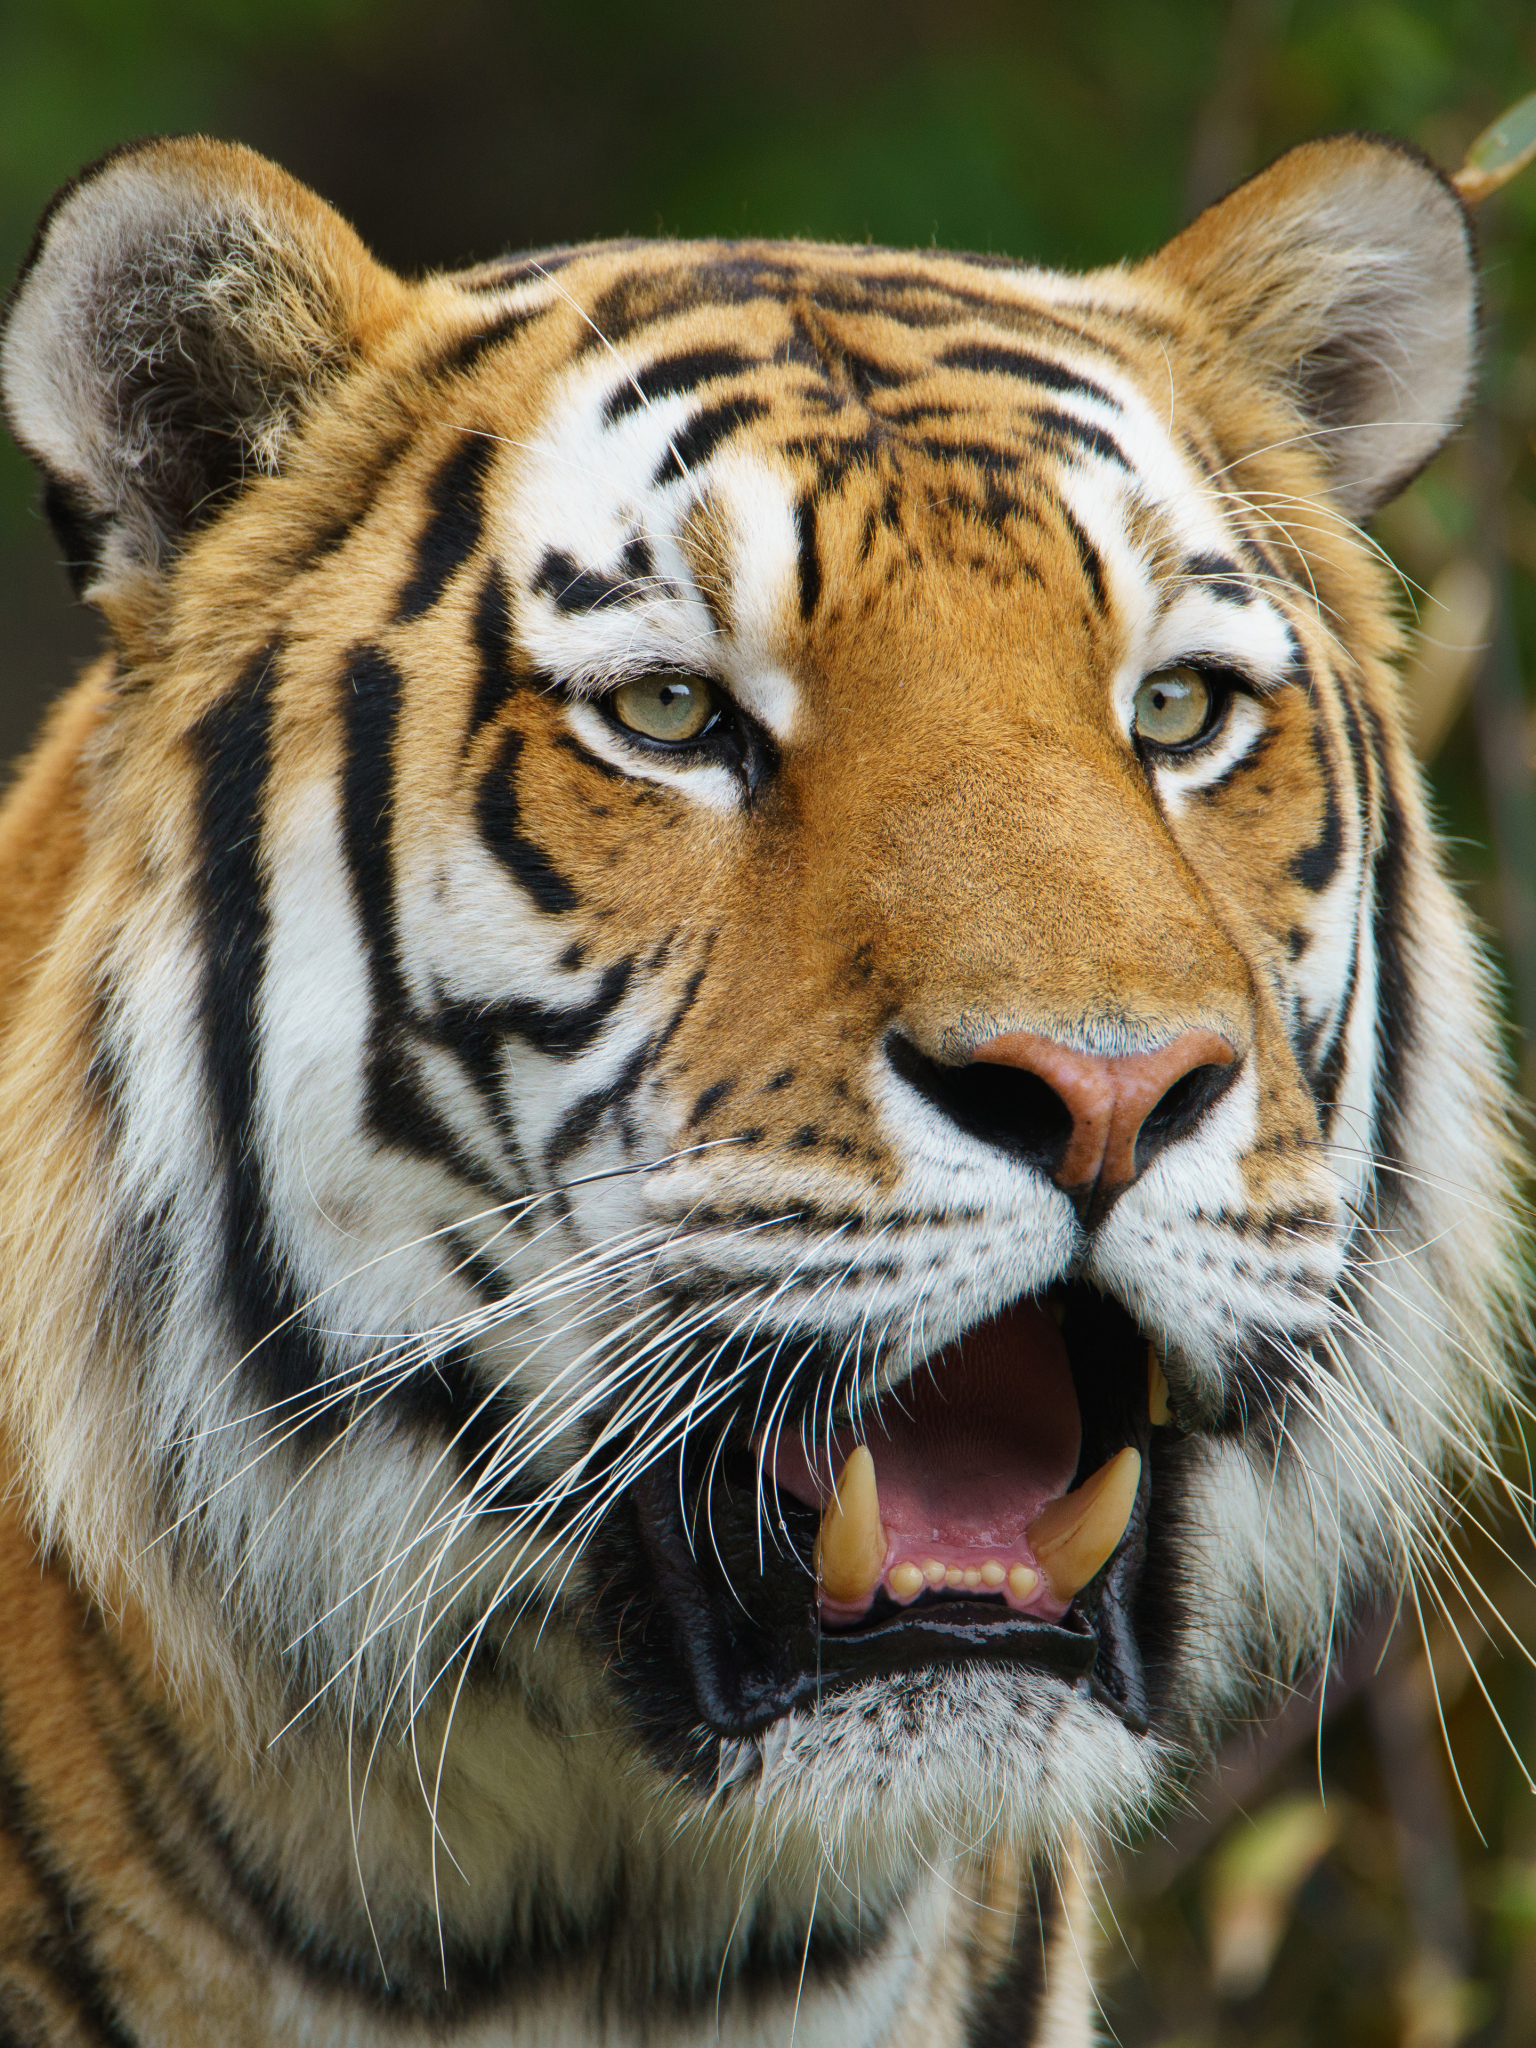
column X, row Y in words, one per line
column 672, row 691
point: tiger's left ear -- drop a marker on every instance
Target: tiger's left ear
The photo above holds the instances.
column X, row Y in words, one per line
column 183, row 305
column 1345, row 274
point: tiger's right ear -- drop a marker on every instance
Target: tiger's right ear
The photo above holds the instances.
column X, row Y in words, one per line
column 1344, row 275
column 182, row 301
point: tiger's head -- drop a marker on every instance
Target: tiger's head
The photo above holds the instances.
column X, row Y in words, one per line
column 755, row 1046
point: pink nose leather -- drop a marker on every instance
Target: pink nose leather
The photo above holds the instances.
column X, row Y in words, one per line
column 1108, row 1099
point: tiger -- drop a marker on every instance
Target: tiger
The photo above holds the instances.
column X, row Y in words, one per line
column 747, row 1143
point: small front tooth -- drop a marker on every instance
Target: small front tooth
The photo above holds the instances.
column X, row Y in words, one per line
column 1022, row 1581
column 907, row 1581
column 1157, row 1389
column 850, row 1551
column 992, row 1574
column 933, row 1571
column 1072, row 1537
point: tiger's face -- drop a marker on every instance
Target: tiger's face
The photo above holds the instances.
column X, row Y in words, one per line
column 766, row 1025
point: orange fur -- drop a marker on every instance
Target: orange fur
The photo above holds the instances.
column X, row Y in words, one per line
column 958, row 833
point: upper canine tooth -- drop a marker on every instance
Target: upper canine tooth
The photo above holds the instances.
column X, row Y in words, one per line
column 1073, row 1536
column 850, row 1551
column 1157, row 1389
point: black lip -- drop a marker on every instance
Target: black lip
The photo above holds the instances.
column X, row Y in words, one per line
column 744, row 1627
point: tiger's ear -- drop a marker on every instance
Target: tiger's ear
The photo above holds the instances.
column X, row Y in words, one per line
column 1345, row 273
column 182, row 301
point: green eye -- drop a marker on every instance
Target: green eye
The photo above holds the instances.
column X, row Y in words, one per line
column 1173, row 707
column 669, row 706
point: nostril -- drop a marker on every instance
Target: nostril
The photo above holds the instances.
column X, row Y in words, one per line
column 1007, row 1107
column 1179, row 1108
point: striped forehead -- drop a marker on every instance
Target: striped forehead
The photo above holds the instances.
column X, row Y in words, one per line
column 608, row 493
column 757, row 409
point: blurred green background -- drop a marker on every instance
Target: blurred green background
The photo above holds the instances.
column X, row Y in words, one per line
column 1334, row 1889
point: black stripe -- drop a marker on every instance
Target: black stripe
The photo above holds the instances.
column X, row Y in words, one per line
column 1066, row 426
column 465, row 354
column 748, row 276
column 397, row 1106
column 707, row 1100
column 670, row 375
column 1029, row 368
column 839, row 456
column 684, row 1004
column 986, row 456
column 499, row 817
column 704, row 433
column 1316, row 865
column 587, row 1112
column 492, row 635
column 1087, row 554
column 446, row 1397
column 1242, row 764
column 1222, row 577
column 864, row 373
column 1325, row 1077
column 1396, row 1025
column 562, row 1034
column 62, row 1952
column 809, row 557
column 452, row 531
column 581, row 590
column 1007, row 2010
column 488, row 1280
column 568, row 743
column 584, row 1115
column 232, row 742
column 1304, row 1043
column 1329, row 1067
column 371, row 690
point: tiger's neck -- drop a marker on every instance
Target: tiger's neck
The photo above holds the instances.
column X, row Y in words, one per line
column 305, row 1872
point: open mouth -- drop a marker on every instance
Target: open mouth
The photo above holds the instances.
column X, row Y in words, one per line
column 995, row 1508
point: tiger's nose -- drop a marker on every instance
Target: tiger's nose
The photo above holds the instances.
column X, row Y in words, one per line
column 1122, row 1107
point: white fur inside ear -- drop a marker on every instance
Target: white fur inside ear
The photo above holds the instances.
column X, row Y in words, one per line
column 1347, row 268
column 1392, row 372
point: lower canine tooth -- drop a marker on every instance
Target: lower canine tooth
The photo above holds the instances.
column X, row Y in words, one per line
column 850, row 1550
column 1072, row 1537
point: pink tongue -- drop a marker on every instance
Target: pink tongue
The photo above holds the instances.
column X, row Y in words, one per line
column 966, row 1453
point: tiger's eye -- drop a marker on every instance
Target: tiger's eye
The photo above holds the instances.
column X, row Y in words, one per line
column 1172, row 707
column 669, row 706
